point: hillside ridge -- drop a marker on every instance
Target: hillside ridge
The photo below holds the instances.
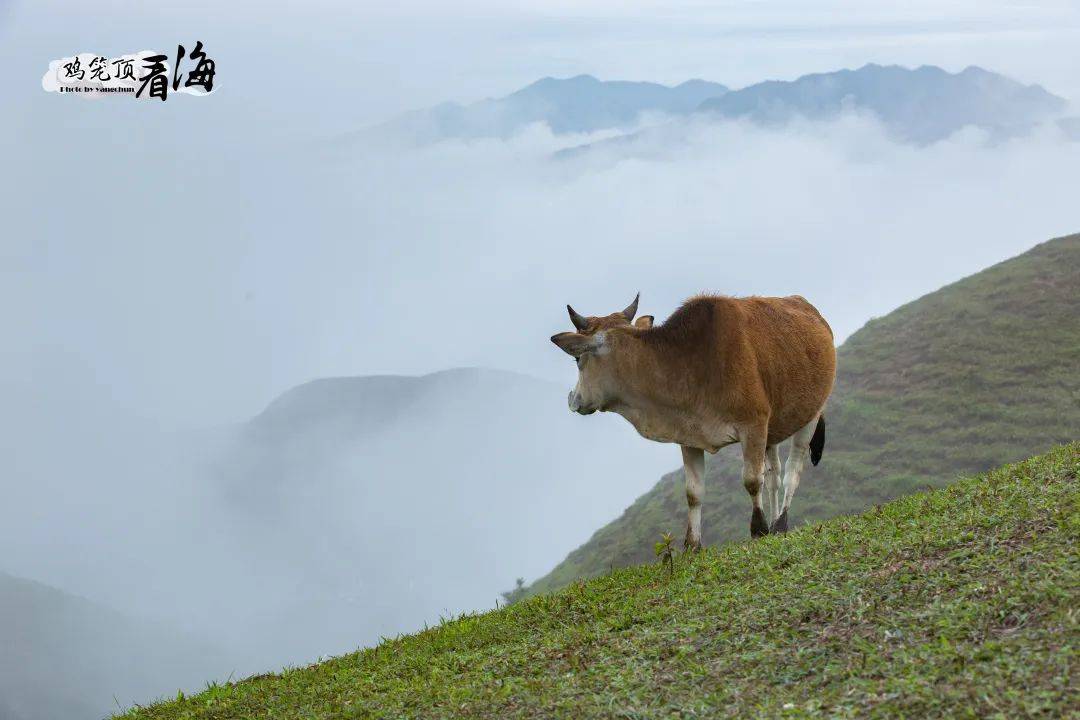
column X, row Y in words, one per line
column 935, row 389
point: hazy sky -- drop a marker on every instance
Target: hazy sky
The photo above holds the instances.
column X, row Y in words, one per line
column 204, row 302
column 347, row 63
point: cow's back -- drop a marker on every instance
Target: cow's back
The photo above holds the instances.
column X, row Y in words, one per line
column 788, row 347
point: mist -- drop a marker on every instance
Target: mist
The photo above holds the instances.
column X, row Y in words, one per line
column 171, row 269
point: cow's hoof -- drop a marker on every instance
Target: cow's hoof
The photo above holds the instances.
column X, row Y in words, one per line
column 780, row 525
column 758, row 526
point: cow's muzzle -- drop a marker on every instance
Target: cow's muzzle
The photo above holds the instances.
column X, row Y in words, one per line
column 576, row 404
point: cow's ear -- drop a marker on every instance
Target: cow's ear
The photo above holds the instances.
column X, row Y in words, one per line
column 574, row 344
column 644, row 322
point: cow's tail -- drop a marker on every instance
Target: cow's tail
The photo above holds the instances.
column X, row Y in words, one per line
column 817, row 442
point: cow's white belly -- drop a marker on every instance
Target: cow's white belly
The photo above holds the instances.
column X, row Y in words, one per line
column 680, row 428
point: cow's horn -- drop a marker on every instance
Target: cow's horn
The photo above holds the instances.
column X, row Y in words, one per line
column 579, row 322
column 631, row 310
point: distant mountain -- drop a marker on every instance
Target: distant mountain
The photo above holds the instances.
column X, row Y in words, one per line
column 918, row 106
column 978, row 373
column 374, row 504
column 65, row 658
column 572, row 105
column 921, row 105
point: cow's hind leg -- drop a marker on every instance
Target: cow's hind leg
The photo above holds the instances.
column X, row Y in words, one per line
column 772, row 482
column 800, row 450
column 753, row 445
column 694, row 471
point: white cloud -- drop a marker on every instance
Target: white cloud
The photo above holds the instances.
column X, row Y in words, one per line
column 836, row 212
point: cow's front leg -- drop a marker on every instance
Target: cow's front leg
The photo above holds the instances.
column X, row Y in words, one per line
column 753, row 445
column 694, row 472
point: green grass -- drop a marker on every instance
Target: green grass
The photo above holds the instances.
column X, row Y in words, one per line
column 979, row 373
column 959, row 602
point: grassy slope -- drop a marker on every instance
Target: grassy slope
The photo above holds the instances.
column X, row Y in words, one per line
column 953, row 603
column 981, row 372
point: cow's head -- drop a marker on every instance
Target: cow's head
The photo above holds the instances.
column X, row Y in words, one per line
column 591, row 347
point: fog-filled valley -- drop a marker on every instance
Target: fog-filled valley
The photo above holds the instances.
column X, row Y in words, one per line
column 349, row 509
column 276, row 379
column 429, row 495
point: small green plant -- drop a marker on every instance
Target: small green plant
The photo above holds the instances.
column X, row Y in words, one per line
column 664, row 550
column 512, row 596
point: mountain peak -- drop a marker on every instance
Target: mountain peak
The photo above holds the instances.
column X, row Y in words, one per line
column 921, row 105
column 577, row 104
column 549, row 81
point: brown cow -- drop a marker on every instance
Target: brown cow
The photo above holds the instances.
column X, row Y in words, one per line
column 721, row 370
